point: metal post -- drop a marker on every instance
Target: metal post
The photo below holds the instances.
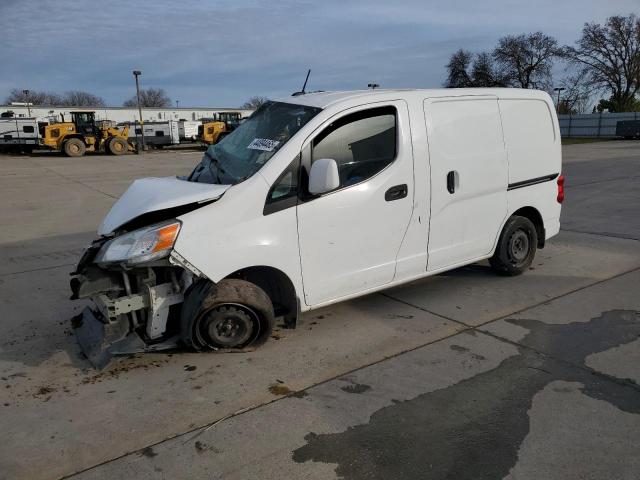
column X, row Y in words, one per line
column 558, row 89
column 137, row 73
column 599, row 124
column 177, row 103
column 26, row 94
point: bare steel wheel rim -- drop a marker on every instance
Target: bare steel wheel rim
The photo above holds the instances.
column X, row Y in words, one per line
column 519, row 245
column 228, row 325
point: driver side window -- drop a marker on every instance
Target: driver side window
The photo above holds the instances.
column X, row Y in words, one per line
column 362, row 144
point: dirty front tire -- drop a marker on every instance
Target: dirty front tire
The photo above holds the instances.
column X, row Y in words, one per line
column 516, row 247
column 117, row 146
column 74, row 147
column 233, row 314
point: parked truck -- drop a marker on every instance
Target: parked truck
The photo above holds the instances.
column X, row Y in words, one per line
column 215, row 129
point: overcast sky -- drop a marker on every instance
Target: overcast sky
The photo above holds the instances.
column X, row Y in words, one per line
column 219, row 53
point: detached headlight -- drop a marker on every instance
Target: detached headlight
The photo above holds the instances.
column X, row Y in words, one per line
column 141, row 245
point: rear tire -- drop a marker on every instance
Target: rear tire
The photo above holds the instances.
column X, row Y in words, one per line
column 117, row 146
column 232, row 314
column 516, row 247
column 74, row 147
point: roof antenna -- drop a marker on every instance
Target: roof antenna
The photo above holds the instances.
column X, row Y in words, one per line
column 302, row 92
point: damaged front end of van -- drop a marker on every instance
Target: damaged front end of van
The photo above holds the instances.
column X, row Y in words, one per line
column 135, row 281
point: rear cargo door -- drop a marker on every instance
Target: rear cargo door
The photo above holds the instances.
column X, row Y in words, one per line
column 469, row 177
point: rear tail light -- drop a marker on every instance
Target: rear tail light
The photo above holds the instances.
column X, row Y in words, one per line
column 560, row 197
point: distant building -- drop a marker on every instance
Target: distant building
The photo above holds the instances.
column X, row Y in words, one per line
column 119, row 114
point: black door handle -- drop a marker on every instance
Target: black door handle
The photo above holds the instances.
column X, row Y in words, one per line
column 396, row 193
column 451, row 181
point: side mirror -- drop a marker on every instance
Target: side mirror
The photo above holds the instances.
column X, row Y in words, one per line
column 324, row 176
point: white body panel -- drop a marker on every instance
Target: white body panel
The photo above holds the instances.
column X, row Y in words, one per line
column 465, row 138
column 352, row 241
column 153, row 194
column 349, row 239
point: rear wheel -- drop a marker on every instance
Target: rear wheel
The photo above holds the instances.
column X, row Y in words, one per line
column 516, row 247
column 117, row 146
column 74, row 147
column 232, row 314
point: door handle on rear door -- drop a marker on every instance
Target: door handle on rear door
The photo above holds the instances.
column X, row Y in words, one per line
column 451, row 181
column 396, row 193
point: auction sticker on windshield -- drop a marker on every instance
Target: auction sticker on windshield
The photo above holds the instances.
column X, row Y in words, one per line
column 263, row 144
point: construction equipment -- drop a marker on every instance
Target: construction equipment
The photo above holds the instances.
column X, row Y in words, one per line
column 82, row 134
column 213, row 130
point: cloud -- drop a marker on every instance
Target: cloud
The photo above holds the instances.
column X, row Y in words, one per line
column 220, row 52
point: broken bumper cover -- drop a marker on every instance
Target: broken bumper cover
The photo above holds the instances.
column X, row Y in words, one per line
column 111, row 327
column 100, row 340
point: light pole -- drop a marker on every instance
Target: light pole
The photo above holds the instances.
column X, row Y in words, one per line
column 26, row 94
column 136, row 74
column 177, row 103
column 558, row 89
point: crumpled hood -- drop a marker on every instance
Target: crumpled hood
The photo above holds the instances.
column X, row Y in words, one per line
column 153, row 194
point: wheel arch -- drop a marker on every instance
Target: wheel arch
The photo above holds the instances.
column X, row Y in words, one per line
column 278, row 286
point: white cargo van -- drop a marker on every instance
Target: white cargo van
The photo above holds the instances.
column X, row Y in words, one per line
column 316, row 199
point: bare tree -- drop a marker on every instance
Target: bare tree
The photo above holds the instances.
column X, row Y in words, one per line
column 469, row 70
column 254, row 102
column 458, row 68
column 526, row 59
column 577, row 95
column 82, row 99
column 35, row 97
column 150, row 97
column 609, row 57
column 484, row 72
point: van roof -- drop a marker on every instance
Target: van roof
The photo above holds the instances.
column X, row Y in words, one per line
column 325, row 99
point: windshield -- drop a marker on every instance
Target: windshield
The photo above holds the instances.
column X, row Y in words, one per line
column 244, row 151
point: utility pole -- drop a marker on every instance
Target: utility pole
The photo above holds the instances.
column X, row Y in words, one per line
column 558, row 89
column 26, row 94
column 136, row 74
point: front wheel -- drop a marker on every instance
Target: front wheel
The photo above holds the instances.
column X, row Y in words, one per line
column 232, row 314
column 516, row 247
column 118, row 146
column 74, row 147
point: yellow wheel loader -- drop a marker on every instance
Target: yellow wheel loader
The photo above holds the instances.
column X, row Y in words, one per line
column 82, row 134
column 214, row 130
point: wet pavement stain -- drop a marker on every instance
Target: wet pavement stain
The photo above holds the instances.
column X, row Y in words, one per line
column 474, row 428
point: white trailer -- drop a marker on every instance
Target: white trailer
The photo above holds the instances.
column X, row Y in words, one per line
column 188, row 130
column 18, row 134
column 156, row 134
